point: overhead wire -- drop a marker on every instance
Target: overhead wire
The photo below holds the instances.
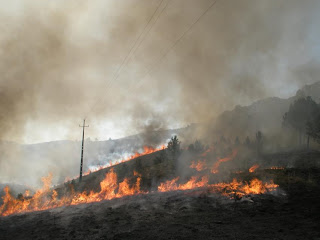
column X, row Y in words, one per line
column 133, row 47
column 139, row 44
column 108, row 84
column 161, row 59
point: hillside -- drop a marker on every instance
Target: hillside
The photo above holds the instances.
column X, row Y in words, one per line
column 264, row 115
column 192, row 214
column 62, row 158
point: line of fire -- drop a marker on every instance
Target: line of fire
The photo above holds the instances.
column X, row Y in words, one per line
column 199, row 119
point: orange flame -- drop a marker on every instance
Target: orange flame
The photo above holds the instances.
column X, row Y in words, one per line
column 146, row 150
column 237, row 188
column 45, row 198
column 254, row 168
column 207, row 151
column 215, row 167
column 110, row 188
column 199, row 166
column 194, row 182
column 276, row 168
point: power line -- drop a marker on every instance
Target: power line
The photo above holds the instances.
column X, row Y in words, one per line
column 133, row 46
column 145, row 34
column 130, row 90
column 117, row 72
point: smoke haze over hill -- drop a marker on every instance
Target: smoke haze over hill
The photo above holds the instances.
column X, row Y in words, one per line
column 58, row 60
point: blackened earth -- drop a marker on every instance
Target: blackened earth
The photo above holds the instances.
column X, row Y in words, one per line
column 175, row 215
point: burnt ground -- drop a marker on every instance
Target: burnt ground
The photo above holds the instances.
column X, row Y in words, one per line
column 175, row 215
column 187, row 215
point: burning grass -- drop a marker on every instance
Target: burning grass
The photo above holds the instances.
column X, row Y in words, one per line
column 46, row 198
column 146, row 150
column 254, row 168
column 205, row 179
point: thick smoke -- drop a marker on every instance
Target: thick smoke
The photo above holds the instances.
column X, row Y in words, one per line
column 58, row 60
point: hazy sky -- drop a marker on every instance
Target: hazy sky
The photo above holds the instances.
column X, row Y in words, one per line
column 59, row 59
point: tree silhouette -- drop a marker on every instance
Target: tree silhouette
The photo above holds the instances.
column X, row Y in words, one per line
column 196, row 147
column 259, row 141
column 174, row 146
column 313, row 127
column 248, row 141
column 236, row 141
column 300, row 113
column 222, row 139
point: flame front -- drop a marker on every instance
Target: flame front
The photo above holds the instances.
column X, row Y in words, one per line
column 216, row 165
column 194, row 182
column 236, row 187
column 45, row 198
column 110, row 188
column 146, row 150
column 253, row 168
column 199, row 166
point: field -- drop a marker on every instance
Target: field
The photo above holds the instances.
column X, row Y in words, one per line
column 289, row 213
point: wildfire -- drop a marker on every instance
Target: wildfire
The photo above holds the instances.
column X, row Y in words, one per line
column 199, row 166
column 254, row 168
column 215, row 167
column 194, row 182
column 237, row 188
column 228, row 189
column 276, row 168
column 45, row 198
column 207, row 151
column 110, row 188
column 146, row 150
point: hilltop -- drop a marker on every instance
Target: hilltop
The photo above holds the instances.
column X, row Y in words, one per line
column 264, row 115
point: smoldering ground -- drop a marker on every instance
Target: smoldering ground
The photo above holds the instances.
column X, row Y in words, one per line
column 58, row 62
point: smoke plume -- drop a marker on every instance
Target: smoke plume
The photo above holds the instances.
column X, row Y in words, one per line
column 58, row 60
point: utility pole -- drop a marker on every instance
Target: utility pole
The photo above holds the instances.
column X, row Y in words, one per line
column 83, row 126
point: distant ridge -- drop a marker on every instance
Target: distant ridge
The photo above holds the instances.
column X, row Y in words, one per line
column 264, row 115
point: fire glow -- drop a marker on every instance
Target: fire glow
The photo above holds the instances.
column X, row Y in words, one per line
column 253, row 168
column 146, row 150
column 199, row 166
column 46, row 198
column 255, row 186
column 215, row 168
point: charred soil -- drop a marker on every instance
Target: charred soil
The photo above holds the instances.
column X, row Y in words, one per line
column 192, row 214
column 290, row 213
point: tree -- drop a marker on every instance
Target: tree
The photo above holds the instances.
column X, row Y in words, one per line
column 162, row 157
column 313, row 127
column 222, row 139
column 191, row 148
column 236, row 141
column 248, row 141
column 259, row 141
column 174, row 146
column 196, row 147
column 300, row 113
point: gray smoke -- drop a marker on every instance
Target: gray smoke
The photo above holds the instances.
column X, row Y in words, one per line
column 58, row 59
